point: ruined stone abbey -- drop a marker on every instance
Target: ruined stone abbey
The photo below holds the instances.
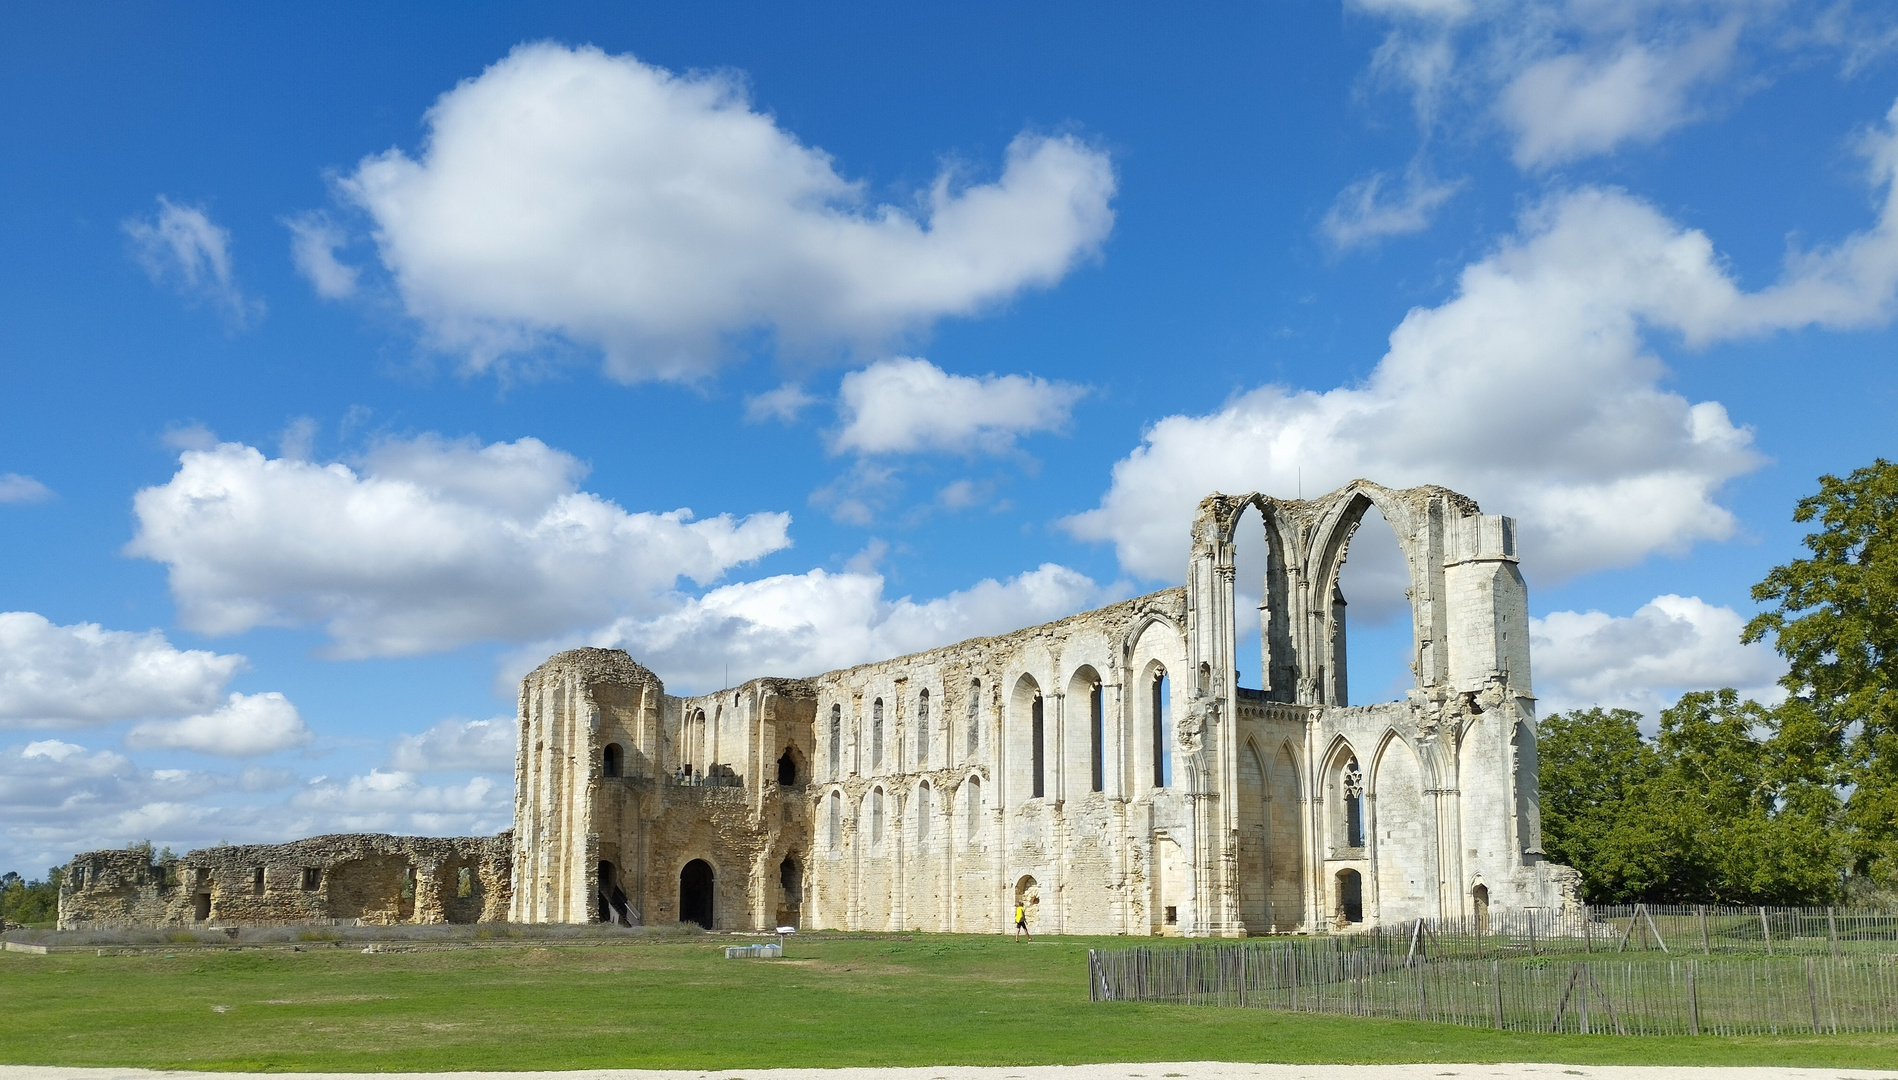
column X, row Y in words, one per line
column 1105, row 770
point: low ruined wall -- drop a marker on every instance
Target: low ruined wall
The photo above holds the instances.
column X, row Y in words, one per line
column 342, row 877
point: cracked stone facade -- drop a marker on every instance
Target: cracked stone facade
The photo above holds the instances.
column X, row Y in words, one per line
column 1105, row 769
column 345, row 878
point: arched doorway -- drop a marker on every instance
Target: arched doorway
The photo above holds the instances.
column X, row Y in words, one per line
column 787, row 769
column 791, row 880
column 1350, row 897
column 1479, row 904
column 612, row 902
column 1028, row 897
column 695, row 893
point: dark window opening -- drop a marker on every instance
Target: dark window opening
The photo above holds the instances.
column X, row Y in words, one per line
column 610, row 759
column 1353, row 781
column 876, row 733
column 201, row 906
column 1172, row 915
column 464, row 883
column 922, row 730
column 257, row 881
column 408, row 883
column 1097, row 737
column 1160, row 770
column 791, row 876
column 695, row 893
column 975, row 716
column 1037, row 712
column 787, row 769
column 836, row 738
column 312, row 878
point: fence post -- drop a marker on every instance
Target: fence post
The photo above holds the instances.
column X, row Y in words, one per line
column 1766, row 931
column 1420, row 988
column 1653, row 929
column 1580, row 970
column 1693, row 995
column 1812, row 996
column 1496, row 975
column 1532, row 932
column 1832, row 931
column 1706, row 946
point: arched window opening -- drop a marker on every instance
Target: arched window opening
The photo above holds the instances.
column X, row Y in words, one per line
column 1350, row 903
column 876, row 815
column 1097, row 737
column 922, row 730
column 975, row 716
column 1382, row 646
column 1250, row 607
column 695, row 743
column 1205, row 678
column 613, row 904
column 1039, row 764
column 1159, row 707
column 1352, row 783
column 610, row 759
column 836, row 820
column 1479, row 908
column 791, row 878
column 787, row 769
column 974, row 800
column 876, row 734
column 695, row 893
column 836, row 740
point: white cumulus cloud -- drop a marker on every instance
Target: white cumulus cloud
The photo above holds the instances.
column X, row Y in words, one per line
column 452, row 745
column 1367, row 211
column 15, row 488
column 247, row 725
column 570, row 194
column 1578, row 104
column 425, row 545
column 182, row 247
column 1533, row 389
column 314, row 239
column 906, row 406
column 71, row 676
column 1563, row 80
column 1645, row 661
column 803, row 624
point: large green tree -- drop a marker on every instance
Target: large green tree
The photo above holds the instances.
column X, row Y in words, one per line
column 1595, row 773
column 1721, row 807
column 1836, row 623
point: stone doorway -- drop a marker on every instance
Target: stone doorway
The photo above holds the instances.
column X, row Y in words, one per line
column 1350, row 897
column 695, row 893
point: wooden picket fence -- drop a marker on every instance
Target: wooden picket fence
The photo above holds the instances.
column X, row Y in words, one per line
column 1678, row 929
column 1627, row 996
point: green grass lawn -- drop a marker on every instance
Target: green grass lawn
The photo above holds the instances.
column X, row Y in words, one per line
column 834, row 1001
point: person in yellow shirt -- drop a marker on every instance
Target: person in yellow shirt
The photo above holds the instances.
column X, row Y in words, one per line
column 1021, row 922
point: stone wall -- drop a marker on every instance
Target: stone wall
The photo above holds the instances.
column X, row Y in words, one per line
column 1105, row 770
column 340, row 878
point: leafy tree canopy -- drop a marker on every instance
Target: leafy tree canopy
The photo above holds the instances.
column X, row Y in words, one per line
column 1836, row 624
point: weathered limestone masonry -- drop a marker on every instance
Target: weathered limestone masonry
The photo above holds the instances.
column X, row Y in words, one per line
column 1105, row 770
column 344, row 877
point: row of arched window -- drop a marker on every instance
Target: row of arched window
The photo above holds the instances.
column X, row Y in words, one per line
column 1158, row 738
column 925, row 813
column 921, row 726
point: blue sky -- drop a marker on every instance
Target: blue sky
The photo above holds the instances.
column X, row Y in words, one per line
column 357, row 358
